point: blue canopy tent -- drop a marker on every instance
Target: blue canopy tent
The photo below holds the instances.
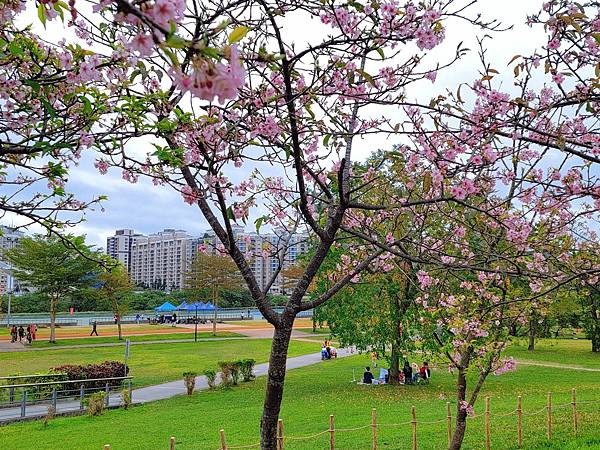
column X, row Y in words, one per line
column 201, row 306
column 183, row 306
column 165, row 307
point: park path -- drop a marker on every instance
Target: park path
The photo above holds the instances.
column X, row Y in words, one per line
column 526, row 362
column 156, row 392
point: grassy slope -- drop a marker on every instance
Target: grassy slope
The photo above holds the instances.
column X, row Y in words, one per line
column 313, row 393
column 149, row 364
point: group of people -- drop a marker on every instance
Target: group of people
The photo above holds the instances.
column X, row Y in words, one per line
column 409, row 374
column 328, row 351
column 21, row 334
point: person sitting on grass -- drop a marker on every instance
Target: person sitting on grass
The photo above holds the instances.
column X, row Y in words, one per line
column 423, row 374
column 407, row 371
column 368, row 376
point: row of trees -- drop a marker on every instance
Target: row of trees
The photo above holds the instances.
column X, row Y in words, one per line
column 484, row 207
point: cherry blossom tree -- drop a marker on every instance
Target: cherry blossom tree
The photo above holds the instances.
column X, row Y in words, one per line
column 250, row 122
column 49, row 101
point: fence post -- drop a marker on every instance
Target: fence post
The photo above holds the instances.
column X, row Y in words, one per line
column 81, row 394
column 449, row 417
column 23, row 403
column 130, row 391
column 488, row 439
column 331, row 433
column 11, row 395
column 280, row 434
column 54, row 398
column 107, row 393
column 172, row 443
column 574, row 404
column 549, row 416
column 374, row 427
column 414, row 428
column 519, row 422
column 223, row 443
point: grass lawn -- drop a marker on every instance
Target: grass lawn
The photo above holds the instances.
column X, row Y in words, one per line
column 313, row 393
column 149, row 364
column 576, row 352
column 133, row 338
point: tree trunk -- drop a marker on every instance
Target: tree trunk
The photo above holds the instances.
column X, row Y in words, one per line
column 461, row 414
column 512, row 331
column 532, row 330
column 274, row 390
column 119, row 327
column 394, row 374
column 52, row 320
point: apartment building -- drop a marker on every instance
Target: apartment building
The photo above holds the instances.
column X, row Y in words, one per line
column 161, row 260
column 119, row 246
column 9, row 238
column 265, row 253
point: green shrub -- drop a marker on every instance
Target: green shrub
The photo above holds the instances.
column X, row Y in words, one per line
column 96, row 403
column 211, row 377
column 189, row 378
column 247, row 369
column 236, row 371
column 226, row 368
column 126, row 397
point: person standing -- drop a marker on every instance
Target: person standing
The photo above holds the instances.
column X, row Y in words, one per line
column 374, row 359
column 21, row 333
column 33, row 331
column 94, row 328
column 13, row 334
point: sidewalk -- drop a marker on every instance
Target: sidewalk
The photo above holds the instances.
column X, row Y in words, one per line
column 157, row 392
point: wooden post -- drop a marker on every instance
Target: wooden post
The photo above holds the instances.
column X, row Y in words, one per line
column 488, row 439
column 172, row 443
column 223, row 442
column 414, row 428
column 449, row 417
column 519, row 422
column 331, row 433
column 549, row 416
column 574, row 404
column 374, row 427
column 280, row 434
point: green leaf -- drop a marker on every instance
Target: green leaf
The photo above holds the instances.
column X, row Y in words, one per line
column 380, row 51
column 367, row 77
column 326, row 139
column 238, row 34
column 49, row 108
column 259, row 223
column 15, row 49
column 175, row 41
column 41, row 14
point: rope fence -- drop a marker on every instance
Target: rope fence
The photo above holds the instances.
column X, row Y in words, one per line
column 331, row 432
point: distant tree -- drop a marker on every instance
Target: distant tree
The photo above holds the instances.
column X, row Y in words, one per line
column 56, row 270
column 115, row 285
column 216, row 273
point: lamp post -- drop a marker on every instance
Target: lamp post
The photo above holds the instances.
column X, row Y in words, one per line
column 196, row 324
column 7, row 269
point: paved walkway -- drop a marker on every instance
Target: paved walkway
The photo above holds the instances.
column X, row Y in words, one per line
column 156, row 392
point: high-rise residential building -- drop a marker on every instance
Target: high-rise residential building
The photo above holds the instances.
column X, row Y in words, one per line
column 160, row 260
column 119, row 246
column 9, row 238
column 265, row 253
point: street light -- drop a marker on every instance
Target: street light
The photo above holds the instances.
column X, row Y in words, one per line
column 196, row 324
column 7, row 269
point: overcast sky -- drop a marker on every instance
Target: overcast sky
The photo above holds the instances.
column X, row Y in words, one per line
column 147, row 208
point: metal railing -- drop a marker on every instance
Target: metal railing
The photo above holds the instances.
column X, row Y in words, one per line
column 17, row 400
